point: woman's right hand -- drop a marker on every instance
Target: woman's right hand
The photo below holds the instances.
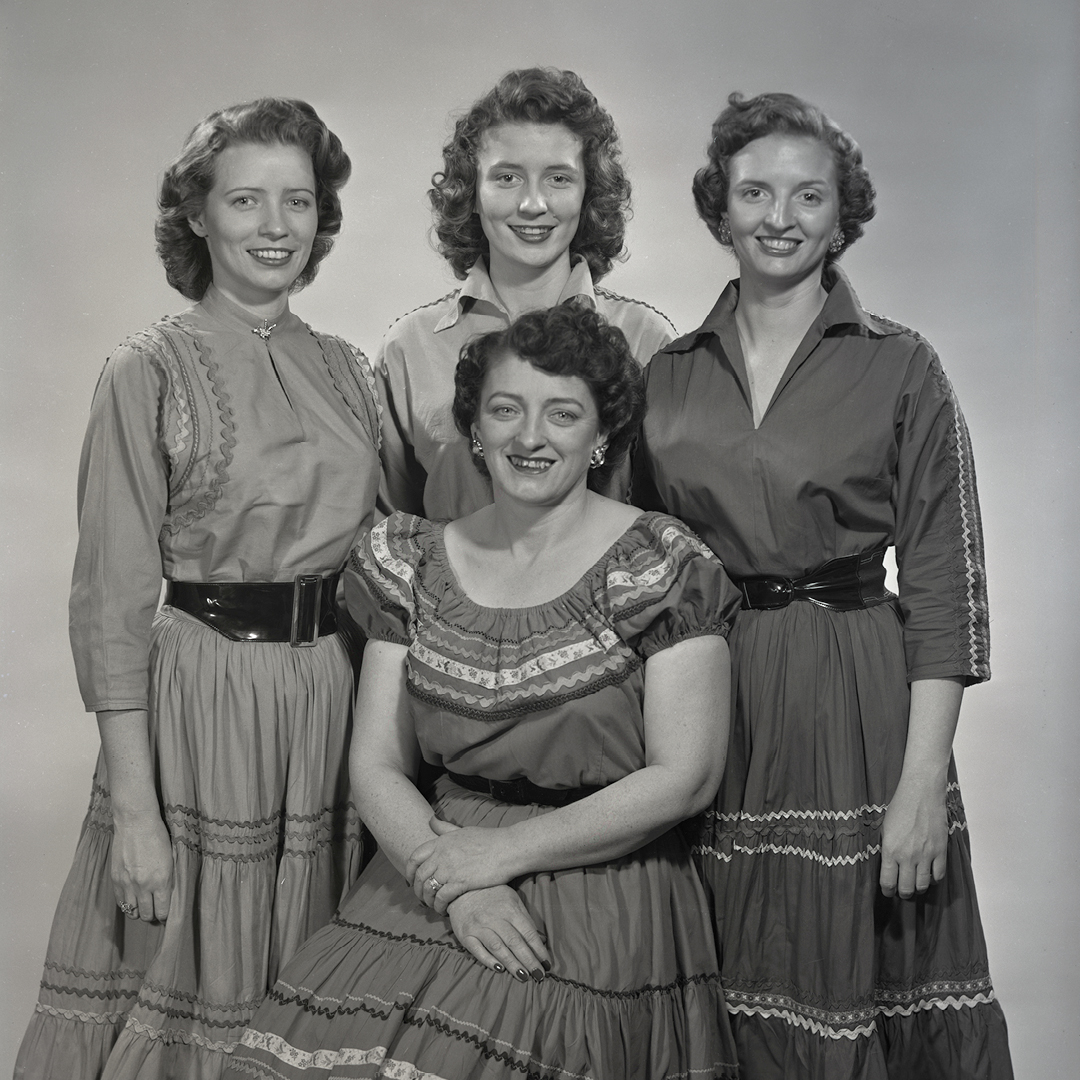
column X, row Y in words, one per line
column 495, row 927
column 142, row 866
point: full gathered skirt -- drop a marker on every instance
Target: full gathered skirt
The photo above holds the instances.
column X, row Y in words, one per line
column 825, row 977
column 250, row 744
column 386, row 991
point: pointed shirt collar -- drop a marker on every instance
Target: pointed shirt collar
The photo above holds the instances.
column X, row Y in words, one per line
column 477, row 290
column 841, row 308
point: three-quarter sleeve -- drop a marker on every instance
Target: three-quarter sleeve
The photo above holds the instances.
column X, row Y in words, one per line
column 380, row 579
column 122, row 501
column 403, row 477
column 939, row 544
column 672, row 589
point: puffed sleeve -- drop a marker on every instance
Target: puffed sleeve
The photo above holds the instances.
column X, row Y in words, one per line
column 122, row 501
column 403, row 477
column 670, row 589
column 380, row 578
column 939, row 543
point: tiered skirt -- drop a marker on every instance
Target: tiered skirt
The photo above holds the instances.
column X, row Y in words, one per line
column 386, row 991
column 825, row 977
column 250, row 742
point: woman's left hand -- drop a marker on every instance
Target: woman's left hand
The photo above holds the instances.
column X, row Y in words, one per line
column 457, row 861
column 914, row 839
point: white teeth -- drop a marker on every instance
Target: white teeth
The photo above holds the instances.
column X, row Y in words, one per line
column 533, row 465
column 272, row 253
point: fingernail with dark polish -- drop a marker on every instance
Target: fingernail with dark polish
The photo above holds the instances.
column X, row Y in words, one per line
column 537, row 976
column 499, row 967
column 546, row 965
column 522, row 974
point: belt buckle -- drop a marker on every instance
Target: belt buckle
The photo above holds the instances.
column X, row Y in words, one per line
column 772, row 593
column 307, row 599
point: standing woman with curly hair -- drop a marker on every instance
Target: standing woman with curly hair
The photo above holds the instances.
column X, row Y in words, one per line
column 800, row 437
column 530, row 211
column 232, row 451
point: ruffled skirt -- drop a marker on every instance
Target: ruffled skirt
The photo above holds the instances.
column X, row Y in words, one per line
column 250, row 743
column 386, row 991
column 825, row 977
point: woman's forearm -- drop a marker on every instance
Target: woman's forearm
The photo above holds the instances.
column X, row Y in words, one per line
column 607, row 825
column 932, row 717
column 384, row 757
column 393, row 810
column 125, row 742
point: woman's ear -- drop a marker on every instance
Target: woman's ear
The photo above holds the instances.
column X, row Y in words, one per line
column 195, row 223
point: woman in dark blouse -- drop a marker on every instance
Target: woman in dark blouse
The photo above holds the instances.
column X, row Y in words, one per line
column 801, row 437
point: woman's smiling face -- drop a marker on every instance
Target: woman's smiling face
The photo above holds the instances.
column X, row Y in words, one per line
column 530, row 186
column 259, row 220
column 783, row 207
column 538, row 431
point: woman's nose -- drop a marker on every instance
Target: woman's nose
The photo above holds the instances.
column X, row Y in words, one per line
column 273, row 223
column 531, row 432
column 779, row 215
column 532, row 200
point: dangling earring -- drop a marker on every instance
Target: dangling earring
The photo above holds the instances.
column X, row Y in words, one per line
column 597, row 458
column 725, row 231
column 836, row 245
column 477, row 447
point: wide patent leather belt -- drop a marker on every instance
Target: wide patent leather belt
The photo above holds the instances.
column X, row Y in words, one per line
column 855, row 581
column 521, row 792
column 299, row 611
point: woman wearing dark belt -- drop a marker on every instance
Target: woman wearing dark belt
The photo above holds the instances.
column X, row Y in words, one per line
column 562, row 656
column 234, row 452
column 800, row 437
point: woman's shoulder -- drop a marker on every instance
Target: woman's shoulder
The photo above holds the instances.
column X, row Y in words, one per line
column 654, row 537
column 663, row 584
column 422, row 319
column 403, row 538
column 156, row 347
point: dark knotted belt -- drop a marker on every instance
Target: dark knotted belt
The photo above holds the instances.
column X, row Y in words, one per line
column 299, row 611
column 846, row 584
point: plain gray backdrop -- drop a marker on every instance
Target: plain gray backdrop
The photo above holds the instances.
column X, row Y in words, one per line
column 967, row 112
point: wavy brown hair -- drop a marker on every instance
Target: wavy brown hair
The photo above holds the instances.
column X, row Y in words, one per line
column 747, row 119
column 189, row 178
column 534, row 96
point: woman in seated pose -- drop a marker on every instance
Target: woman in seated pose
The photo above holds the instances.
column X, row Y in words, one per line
column 530, row 210
column 233, row 451
column 562, row 657
column 800, row 437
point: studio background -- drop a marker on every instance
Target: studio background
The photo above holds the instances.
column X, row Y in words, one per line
column 968, row 116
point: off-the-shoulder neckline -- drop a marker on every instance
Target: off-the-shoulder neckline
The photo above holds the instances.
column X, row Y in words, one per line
column 442, row 561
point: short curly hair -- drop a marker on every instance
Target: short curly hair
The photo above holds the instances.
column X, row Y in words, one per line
column 747, row 119
column 568, row 339
column 189, row 178
column 534, row 96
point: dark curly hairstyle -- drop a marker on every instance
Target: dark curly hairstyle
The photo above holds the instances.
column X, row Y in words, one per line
column 745, row 120
column 536, row 96
column 188, row 180
column 568, row 339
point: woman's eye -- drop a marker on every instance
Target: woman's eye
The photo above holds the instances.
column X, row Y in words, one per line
column 506, row 178
column 812, row 198
column 299, row 203
column 243, row 200
column 560, row 181
column 563, row 417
